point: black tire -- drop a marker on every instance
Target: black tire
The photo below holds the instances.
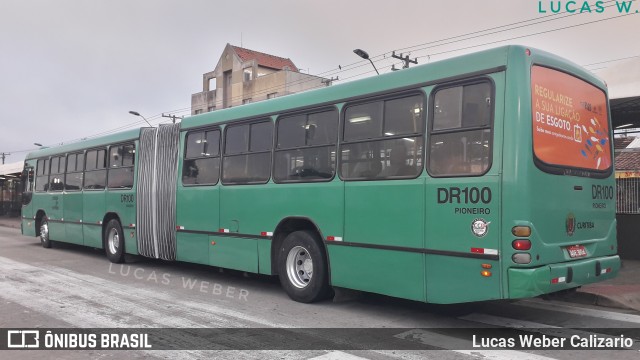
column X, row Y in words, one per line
column 114, row 241
column 44, row 233
column 300, row 252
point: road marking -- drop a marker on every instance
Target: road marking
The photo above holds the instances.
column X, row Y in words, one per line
column 88, row 301
column 602, row 314
column 337, row 355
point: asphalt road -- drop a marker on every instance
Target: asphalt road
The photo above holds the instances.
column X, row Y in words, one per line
column 76, row 287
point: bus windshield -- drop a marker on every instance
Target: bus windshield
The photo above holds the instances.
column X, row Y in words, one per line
column 570, row 123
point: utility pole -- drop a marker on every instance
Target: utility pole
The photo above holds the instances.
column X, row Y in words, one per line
column 406, row 59
column 172, row 117
column 328, row 82
column 3, row 155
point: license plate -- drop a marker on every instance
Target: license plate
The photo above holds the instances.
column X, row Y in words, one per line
column 576, row 251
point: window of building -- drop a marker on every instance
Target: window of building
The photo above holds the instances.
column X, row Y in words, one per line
column 74, row 175
column 247, row 154
column 42, row 175
column 201, row 164
column 248, row 74
column 95, row 175
column 247, row 101
column 211, row 108
column 460, row 139
column 383, row 139
column 272, row 95
column 198, row 111
column 306, row 147
column 121, row 166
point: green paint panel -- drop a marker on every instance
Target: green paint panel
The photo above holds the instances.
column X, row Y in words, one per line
column 385, row 212
column 264, row 257
column 28, row 227
column 192, row 248
column 73, row 217
column 394, row 273
column 93, row 214
column 457, row 280
column 234, row 253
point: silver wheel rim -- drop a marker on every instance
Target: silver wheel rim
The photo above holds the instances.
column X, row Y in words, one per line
column 44, row 232
column 299, row 267
column 114, row 241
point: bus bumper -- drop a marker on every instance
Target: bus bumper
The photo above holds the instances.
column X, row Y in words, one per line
column 525, row 283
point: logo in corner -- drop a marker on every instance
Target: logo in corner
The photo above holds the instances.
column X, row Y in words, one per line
column 480, row 227
column 571, row 224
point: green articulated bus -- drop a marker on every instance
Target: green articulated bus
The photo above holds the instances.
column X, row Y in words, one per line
column 485, row 176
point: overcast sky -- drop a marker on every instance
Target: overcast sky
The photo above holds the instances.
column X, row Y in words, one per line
column 74, row 68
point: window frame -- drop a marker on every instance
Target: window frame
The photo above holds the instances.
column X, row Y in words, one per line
column 47, row 164
column 384, row 98
column 219, row 156
column 85, row 171
column 430, row 132
column 67, row 172
column 306, row 113
column 108, row 165
column 223, row 155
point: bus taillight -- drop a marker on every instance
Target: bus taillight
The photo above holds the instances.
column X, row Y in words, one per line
column 521, row 258
column 521, row 244
column 521, row 231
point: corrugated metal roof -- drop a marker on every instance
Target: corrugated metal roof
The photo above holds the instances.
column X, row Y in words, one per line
column 13, row 168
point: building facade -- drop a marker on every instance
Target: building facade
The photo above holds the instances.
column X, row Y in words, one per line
column 243, row 76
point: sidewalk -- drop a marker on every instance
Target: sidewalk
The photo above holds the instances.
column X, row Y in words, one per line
column 620, row 292
column 623, row 291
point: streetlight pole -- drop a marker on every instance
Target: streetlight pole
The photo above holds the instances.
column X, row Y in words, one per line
column 138, row 114
column 363, row 54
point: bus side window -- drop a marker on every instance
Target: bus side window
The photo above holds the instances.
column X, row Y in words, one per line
column 247, row 154
column 74, row 174
column 121, row 161
column 306, row 147
column 42, row 175
column 383, row 139
column 460, row 139
column 201, row 164
column 95, row 175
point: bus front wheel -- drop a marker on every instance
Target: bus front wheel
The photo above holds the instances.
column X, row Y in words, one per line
column 114, row 241
column 44, row 233
column 302, row 266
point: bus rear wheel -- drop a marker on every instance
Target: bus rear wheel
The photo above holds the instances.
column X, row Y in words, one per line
column 302, row 266
column 114, row 241
column 44, row 233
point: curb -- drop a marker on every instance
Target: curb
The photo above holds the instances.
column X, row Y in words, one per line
column 588, row 298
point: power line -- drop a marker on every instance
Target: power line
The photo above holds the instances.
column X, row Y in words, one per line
column 358, row 64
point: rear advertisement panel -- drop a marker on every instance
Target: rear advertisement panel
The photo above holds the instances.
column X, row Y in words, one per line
column 570, row 124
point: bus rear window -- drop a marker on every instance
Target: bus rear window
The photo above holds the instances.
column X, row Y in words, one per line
column 570, row 124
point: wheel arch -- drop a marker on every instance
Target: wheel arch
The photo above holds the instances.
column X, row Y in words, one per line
column 105, row 221
column 288, row 225
column 39, row 215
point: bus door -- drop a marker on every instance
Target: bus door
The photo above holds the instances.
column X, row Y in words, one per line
column 384, row 198
column 55, row 210
column 28, row 180
column 462, row 227
column 73, row 198
column 198, row 198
